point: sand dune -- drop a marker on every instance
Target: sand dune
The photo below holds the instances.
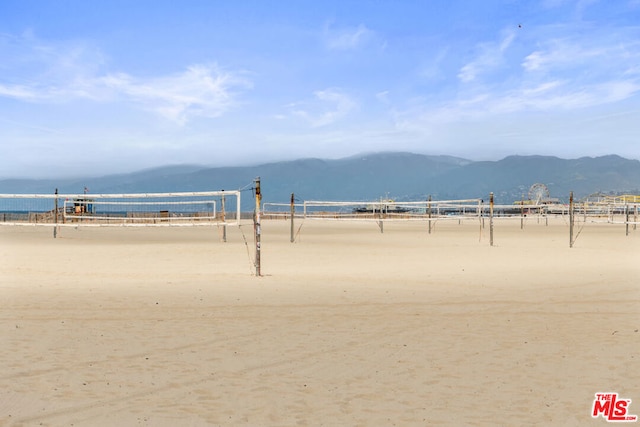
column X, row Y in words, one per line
column 347, row 326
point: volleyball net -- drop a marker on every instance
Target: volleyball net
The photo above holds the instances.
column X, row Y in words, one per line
column 387, row 210
column 390, row 210
column 128, row 209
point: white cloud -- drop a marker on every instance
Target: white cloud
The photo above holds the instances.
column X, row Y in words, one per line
column 535, row 61
column 330, row 106
column 499, row 103
column 562, row 54
column 18, row 92
column 489, row 57
column 541, row 89
column 561, row 96
column 432, row 67
column 347, row 38
column 383, row 96
column 563, row 73
column 201, row 90
column 70, row 72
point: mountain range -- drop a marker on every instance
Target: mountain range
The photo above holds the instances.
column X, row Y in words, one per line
column 396, row 175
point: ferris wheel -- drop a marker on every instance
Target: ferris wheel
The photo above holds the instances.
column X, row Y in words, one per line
column 538, row 192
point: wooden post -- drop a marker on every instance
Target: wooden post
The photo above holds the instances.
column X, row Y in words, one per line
column 429, row 212
column 293, row 212
column 480, row 220
column 571, row 219
column 55, row 215
column 635, row 215
column 491, row 219
column 626, row 218
column 224, row 224
column 522, row 213
column 256, row 221
column 546, row 216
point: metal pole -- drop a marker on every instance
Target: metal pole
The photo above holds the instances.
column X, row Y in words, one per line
column 293, row 212
column 491, row 219
column 571, row 219
column 256, row 219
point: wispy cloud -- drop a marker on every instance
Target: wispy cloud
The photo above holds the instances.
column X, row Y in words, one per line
column 553, row 96
column 71, row 72
column 431, row 68
column 201, row 90
column 611, row 61
column 564, row 54
column 19, row 92
column 563, row 96
column 346, row 38
column 329, row 106
column 562, row 73
column 489, row 57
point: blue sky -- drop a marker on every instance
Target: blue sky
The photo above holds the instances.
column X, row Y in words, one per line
column 98, row 87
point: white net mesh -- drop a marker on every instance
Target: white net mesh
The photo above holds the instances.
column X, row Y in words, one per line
column 141, row 209
column 391, row 210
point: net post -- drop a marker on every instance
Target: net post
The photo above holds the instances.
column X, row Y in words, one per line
column 626, row 219
column 429, row 212
column 224, row 224
column 491, row 219
column 571, row 219
column 522, row 213
column 480, row 219
column 256, row 220
column 238, row 207
column 546, row 216
column 293, row 211
column 55, row 214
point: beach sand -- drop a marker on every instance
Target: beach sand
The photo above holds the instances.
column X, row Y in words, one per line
column 347, row 326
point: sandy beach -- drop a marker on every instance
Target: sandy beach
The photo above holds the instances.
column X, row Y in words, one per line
column 347, row 326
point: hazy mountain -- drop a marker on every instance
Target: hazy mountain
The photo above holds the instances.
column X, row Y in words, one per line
column 512, row 176
column 402, row 176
